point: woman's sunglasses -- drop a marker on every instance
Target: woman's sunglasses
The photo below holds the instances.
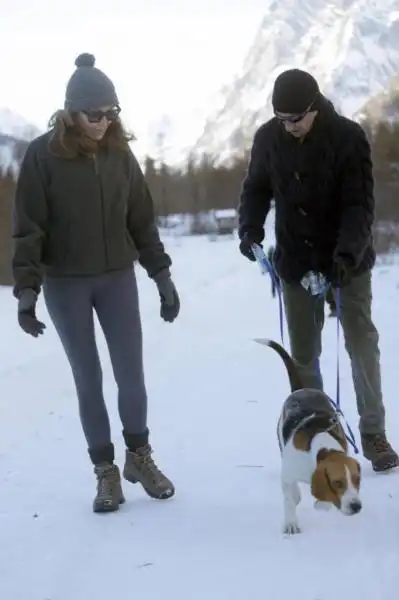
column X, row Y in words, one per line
column 95, row 116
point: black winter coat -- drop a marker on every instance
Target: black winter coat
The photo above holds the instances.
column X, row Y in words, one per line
column 323, row 191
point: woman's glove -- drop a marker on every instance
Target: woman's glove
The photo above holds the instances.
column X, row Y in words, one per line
column 170, row 301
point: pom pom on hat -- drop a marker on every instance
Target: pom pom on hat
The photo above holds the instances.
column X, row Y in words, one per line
column 85, row 60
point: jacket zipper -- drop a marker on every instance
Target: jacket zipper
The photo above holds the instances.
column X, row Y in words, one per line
column 97, row 172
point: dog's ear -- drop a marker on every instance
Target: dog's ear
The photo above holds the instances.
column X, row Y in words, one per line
column 322, row 454
column 355, row 472
column 320, row 488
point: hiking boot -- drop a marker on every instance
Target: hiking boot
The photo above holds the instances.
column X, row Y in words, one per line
column 140, row 468
column 379, row 451
column 109, row 490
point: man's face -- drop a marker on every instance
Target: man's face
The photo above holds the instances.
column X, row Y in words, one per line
column 297, row 125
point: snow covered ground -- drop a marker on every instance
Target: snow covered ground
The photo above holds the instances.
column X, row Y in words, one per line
column 214, row 400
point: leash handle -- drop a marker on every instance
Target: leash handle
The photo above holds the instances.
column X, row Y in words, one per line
column 267, row 268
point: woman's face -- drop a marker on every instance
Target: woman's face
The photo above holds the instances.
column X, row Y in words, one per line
column 96, row 122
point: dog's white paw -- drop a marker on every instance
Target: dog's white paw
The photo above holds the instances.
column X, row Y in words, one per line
column 291, row 528
column 320, row 505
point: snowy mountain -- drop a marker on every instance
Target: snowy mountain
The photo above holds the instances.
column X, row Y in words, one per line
column 350, row 46
column 15, row 132
column 16, row 126
column 384, row 106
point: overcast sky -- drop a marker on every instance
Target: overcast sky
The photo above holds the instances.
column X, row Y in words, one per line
column 164, row 56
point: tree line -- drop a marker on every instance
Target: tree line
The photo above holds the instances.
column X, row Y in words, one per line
column 203, row 185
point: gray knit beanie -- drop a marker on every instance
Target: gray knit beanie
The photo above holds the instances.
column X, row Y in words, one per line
column 89, row 88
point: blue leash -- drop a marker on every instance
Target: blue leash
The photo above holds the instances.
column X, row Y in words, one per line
column 267, row 267
column 337, row 404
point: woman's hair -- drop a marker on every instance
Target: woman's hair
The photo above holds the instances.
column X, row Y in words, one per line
column 68, row 138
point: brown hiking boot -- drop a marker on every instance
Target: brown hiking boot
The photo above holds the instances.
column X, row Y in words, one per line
column 379, row 452
column 109, row 490
column 140, row 467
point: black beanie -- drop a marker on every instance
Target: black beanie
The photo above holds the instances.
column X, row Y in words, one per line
column 294, row 90
column 88, row 87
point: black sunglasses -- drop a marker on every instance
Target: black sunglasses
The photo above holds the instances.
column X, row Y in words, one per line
column 294, row 118
column 95, row 116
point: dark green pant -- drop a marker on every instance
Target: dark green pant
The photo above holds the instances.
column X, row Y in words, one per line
column 305, row 320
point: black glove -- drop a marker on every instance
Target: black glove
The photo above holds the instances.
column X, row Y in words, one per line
column 170, row 301
column 27, row 313
column 245, row 245
column 341, row 272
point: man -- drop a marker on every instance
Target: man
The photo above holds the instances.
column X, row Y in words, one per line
column 316, row 165
column 329, row 296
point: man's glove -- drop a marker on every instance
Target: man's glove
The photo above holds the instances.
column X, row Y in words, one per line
column 170, row 301
column 341, row 272
column 27, row 313
column 245, row 245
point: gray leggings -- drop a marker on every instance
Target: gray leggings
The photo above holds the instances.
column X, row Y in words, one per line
column 71, row 302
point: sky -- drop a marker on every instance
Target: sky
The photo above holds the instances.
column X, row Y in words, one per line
column 167, row 58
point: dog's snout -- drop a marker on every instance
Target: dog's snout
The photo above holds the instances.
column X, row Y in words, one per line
column 355, row 506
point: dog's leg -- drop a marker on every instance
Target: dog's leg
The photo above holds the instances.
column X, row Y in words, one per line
column 292, row 497
column 290, row 489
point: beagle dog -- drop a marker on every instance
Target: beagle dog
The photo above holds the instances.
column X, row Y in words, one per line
column 314, row 450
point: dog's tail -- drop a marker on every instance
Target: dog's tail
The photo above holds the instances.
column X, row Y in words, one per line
column 295, row 380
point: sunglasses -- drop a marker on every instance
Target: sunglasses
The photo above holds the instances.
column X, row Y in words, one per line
column 294, row 118
column 95, row 116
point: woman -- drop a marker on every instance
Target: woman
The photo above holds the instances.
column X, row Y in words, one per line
column 83, row 215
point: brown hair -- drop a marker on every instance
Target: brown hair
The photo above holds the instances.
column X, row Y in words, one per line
column 68, row 138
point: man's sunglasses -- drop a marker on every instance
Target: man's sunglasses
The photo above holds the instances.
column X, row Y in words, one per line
column 95, row 116
column 294, row 118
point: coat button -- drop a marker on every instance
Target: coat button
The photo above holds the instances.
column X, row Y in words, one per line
column 309, row 243
column 303, row 212
column 297, row 175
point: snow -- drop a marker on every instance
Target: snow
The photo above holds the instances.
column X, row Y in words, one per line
column 226, row 213
column 214, row 396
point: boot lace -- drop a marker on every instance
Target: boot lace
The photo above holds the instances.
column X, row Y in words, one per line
column 380, row 444
column 148, row 463
column 106, row 480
